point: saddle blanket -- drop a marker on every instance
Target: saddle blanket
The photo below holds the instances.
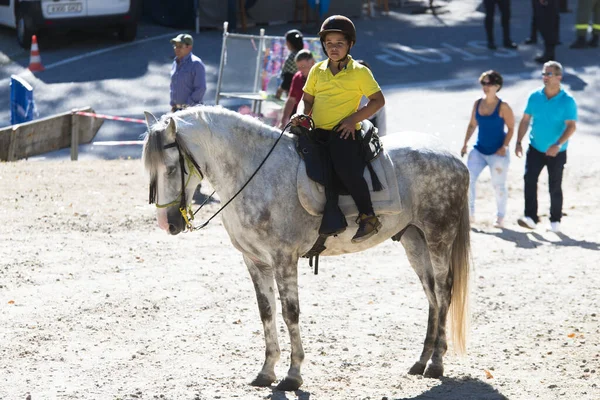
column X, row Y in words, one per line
column 386, row 201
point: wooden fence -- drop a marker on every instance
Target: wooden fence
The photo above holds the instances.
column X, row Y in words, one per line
column 48, row 134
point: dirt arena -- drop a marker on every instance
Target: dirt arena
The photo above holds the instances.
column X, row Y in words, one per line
column 97, row 303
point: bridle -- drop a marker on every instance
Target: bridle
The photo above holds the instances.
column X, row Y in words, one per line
column 184, row 208
column 184, row 160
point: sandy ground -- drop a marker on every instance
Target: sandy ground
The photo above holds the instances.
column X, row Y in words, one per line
column 97, row 303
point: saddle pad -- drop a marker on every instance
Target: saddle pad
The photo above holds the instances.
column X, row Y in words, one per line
column 386, row 201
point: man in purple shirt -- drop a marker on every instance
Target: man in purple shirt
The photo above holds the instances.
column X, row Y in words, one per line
column 188, row 82
column 188, row 74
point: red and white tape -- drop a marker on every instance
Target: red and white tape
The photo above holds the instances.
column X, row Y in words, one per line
column 87, row 114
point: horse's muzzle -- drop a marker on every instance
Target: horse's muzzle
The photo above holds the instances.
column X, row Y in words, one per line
column 171, row 222
column 176, row 221
column 174, row 230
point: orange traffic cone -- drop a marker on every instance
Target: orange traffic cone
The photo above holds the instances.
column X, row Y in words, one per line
column 35, row 61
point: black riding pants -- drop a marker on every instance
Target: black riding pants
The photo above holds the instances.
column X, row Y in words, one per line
column 348, row 166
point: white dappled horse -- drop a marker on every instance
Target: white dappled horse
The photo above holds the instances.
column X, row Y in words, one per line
column 269, row 226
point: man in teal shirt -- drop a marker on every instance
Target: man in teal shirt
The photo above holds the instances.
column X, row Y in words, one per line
column 554, row 114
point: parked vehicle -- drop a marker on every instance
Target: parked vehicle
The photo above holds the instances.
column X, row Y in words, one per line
column 30, row 17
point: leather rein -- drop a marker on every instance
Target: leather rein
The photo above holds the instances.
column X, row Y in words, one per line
column 184, row 208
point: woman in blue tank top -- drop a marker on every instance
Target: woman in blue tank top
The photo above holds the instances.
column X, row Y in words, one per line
column 490, row 114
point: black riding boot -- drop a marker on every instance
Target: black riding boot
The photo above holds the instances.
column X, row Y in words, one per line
column 334, row 221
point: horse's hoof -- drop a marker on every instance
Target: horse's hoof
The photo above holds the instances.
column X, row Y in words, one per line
column 263, row 380
column 289, row 384
column 434, row 371
column 417, row 369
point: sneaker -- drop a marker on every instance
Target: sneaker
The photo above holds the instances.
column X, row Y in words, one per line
column 526, row 222
column 368, row 225
column 554, row 227
column 499, row 222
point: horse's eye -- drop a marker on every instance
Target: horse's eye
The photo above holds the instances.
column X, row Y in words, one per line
column 171, row 170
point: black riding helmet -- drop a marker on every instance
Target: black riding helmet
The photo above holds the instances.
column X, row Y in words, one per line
column 338, row 23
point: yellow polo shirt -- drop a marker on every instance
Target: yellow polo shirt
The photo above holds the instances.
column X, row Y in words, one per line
column 337, row 97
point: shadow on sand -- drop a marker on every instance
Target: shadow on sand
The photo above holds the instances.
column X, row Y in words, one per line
column 459, row 389
column 448, row 389
column 201, row 198
column 532, row 239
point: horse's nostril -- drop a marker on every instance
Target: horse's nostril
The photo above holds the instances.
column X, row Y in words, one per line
column 173, row 230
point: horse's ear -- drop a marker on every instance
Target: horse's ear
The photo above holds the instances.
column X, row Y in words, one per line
column 171, row 130
column 150, row 118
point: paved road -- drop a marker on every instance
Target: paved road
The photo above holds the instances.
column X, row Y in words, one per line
column 428, row 65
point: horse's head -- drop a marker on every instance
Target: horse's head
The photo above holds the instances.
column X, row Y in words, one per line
column 173, row 176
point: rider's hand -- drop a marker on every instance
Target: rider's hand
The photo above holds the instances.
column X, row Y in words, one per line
column 300, row 120
column 346, row 127
column 295, row 119
column 463, row 151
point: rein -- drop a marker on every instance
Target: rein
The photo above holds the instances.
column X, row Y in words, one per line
column 184, row 209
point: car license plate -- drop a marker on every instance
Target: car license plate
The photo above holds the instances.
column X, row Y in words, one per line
column 70, row 8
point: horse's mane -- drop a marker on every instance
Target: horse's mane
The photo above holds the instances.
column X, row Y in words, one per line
column 152, row 151
column 209, row 118
column 222, row 120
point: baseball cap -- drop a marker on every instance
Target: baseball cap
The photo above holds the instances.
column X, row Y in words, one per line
column 183, row 38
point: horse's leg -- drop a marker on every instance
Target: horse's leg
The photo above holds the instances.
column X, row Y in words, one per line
column 286, row 275
column 418, row 256
column 440, row 260
column 450, row 254
column 262, row 277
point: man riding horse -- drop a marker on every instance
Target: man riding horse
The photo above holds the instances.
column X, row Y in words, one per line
column 332, row 94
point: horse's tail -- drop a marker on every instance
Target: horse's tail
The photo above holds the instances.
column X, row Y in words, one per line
column 460, row 262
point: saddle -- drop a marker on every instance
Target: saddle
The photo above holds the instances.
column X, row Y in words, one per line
column 315, row 156
column 379, row 175
column 314, row 159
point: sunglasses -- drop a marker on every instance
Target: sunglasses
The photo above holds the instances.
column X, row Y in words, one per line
column 484, row 83
column 549, row 74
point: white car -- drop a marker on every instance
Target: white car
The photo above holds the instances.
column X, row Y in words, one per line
column 30, row 17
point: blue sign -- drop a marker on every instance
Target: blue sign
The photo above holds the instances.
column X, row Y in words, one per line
column 21, row 101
